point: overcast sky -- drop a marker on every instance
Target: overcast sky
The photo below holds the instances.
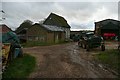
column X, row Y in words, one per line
column 79, row 15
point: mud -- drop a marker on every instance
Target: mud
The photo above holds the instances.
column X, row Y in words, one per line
column 65, row 61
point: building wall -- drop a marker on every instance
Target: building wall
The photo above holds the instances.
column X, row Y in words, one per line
column 50, row 37
column 97, row 29
column 55, row 37
column 59, row 37
column 36, row 33
column 67, row 33
column 63, row 36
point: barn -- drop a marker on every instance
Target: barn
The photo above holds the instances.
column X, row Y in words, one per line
column 56, row 20
column 45, row 33
column 109, row 29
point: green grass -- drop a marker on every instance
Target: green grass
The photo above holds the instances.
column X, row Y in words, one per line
column 32, row 43
column 110, row 58
column 20, row 67
column 37, row 43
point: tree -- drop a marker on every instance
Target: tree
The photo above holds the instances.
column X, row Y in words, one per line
column 24, row 25
column 28, row 21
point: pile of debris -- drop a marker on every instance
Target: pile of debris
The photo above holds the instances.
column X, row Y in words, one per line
column 11, row 48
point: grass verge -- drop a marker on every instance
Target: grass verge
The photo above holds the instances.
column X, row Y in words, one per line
column 37, row 43
column 109, row 58
column 19, row 68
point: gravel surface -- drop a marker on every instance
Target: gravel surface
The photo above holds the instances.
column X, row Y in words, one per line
column 65, row 61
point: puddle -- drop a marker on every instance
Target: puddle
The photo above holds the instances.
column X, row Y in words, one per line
column 92, row 70
column 75, row 57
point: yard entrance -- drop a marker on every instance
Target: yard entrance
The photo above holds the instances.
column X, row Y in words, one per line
column 65, row 61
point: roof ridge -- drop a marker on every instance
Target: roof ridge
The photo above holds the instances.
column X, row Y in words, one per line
column 108, row 19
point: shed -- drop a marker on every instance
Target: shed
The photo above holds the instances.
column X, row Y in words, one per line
column 21, row 31
column 45, row 33
column 108, row 28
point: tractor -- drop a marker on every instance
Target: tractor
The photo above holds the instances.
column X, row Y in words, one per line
column 89, row 40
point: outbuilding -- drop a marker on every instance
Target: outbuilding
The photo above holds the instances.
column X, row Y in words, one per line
column 45, row 33
column 56, row 20
column 109, row 29
column 4, row 28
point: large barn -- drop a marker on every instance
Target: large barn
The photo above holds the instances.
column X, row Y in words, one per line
column 109, row 29
column 56, row 20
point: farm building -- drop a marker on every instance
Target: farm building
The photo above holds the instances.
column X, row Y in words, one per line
column 45, row 33
column 59, row 21
column 109, row 29
column 21, row 31
column 4, row 28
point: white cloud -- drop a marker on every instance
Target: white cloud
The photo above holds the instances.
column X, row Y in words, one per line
column 60, row 0
column 80, row 15
column 104, row 13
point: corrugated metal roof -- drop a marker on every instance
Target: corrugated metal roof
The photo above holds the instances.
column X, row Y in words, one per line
column 106, row 21
column 52, row 28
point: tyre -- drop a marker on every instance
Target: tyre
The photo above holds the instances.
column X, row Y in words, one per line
column 103, row 47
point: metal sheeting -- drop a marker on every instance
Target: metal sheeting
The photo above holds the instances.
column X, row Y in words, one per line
column 10, row 37
column 110, row 25
column 53, row 28
column 106, row 21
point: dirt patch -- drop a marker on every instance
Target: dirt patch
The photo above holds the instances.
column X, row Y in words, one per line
column 64, row 61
